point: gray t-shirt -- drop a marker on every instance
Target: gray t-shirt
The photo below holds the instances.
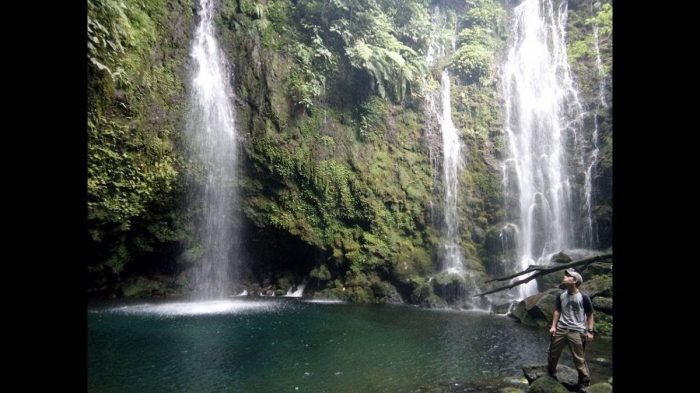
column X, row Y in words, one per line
column 573, row 309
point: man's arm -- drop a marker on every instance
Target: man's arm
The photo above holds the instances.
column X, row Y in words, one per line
column 590, row 322
column 588, row 309
column 589, row 327
column 555, row 319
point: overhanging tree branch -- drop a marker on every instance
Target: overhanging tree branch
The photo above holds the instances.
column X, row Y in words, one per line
column 543, row 270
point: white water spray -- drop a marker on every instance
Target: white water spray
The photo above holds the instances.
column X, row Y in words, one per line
column 299, row 292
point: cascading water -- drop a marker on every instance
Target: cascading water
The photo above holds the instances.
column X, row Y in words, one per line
column 439, row 107
column 542, row 116
column 601, row 103
column 589, row 234
column 452, row 165
column 599, row 66
column 297, row 291
column 212, row 137
column 435, row 50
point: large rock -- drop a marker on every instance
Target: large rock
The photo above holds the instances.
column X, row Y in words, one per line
column 501, row 308
column 547, row 384
column 386, row 293
column 451, row 287
column 566, row 375
column 424, row 296
column 561, row 257
column 598, row 286
column 602, row 387
column 549, row 281
column 137, row 287
column 604, row 304
column 536, row 310
column 596, row 269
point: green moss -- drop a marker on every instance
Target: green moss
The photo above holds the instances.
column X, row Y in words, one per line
column 136, row 55
column 373, row 115
column 320, row 273
column 141, row 287
column 604, row 324
column 478, row 42
column 334, row 135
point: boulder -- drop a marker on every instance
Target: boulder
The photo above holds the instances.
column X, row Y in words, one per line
column 547, row 384
column 451, row 287
column 549, row 281
column 566, row 376
column 386, row 293
column 602, row 387
column 598, row 286
column 137, row 287
column 596, row 269
column 536, row 310
column 604, row 304
column 502, row 308
column 561, row 258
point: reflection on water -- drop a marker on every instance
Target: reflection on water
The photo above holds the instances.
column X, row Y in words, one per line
column 289, row 345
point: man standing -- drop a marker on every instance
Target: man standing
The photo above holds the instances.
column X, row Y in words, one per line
column 572, row 324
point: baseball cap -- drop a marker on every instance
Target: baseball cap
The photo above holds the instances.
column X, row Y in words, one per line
column 573, row 273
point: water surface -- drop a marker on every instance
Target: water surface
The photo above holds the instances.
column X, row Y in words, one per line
column 288, row 345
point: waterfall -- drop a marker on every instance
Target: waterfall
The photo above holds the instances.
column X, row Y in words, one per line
column 212, row 138
column 594, row 154
column 590, row 235
column 434, row 51
column 543, row 115
column 299, row 292
column 438, row 107
column 452, row 165
column 599, row 67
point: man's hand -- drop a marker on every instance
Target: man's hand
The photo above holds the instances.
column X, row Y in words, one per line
column 553, row 330
column 589, row 336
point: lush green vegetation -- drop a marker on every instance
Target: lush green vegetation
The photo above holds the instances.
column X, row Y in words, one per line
column 350, row 172
column 337, row 138
column 135, row 100
column 591, row 62
column 479, row 41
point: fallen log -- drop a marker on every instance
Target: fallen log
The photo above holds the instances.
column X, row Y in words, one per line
column 544, row 270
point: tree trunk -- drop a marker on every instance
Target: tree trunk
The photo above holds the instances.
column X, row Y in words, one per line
column 543, row 270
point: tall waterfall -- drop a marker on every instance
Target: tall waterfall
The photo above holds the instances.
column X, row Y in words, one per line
column 593, row 235
column 452, row 165
column 543, row 118
column 440, row 108
column 212, row 137
column 448, row 167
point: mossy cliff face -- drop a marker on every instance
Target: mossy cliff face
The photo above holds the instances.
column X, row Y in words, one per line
column 339, row 185
column 328, row 159
column 338, row 136
column 136, row 78
column 589, row 46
